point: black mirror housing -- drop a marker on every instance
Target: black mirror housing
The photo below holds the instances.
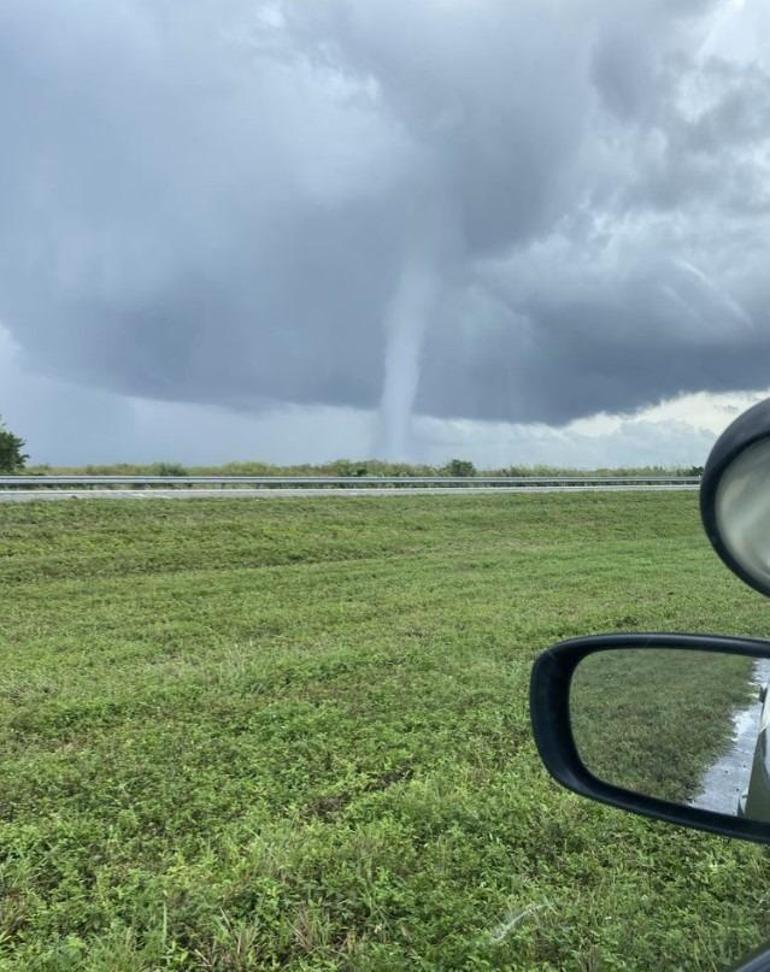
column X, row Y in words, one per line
column 550, row 687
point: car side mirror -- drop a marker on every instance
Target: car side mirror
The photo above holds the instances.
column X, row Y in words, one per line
column 672, row 726
column 734, row 499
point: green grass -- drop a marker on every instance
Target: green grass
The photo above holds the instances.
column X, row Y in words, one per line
column 294, row 735
column 652, row 721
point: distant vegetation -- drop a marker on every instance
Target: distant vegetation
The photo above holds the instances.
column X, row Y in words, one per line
column 12, row 458
column 350, row 467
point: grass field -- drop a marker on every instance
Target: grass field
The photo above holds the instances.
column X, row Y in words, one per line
column 653, row 720
column 293, row 734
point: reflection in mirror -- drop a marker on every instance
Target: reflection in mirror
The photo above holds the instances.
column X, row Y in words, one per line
column 743, row 513
column 689, row 727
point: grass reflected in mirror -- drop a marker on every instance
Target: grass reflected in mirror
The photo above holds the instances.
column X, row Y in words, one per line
column 653, row 721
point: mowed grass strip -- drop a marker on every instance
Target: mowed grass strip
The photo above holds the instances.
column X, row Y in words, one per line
column 295, row 734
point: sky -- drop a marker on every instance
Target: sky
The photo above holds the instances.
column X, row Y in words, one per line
column 516, row 233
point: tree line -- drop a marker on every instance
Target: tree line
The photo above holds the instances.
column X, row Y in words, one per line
column 14, row 460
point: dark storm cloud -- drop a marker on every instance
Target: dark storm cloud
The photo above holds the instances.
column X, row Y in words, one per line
column 222, row 201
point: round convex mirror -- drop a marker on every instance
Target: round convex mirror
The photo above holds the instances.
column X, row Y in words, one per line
column 742, row 510
column 735, row 496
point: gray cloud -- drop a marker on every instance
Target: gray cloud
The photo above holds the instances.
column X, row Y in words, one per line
column 228, row 202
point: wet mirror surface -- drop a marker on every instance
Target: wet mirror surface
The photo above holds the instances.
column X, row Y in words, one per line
column 684, row 726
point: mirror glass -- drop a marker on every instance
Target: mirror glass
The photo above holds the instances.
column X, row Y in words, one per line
column 742, row 509
column 689, row 727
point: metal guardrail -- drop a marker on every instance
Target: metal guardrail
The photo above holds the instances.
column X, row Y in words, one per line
column 337, row 482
